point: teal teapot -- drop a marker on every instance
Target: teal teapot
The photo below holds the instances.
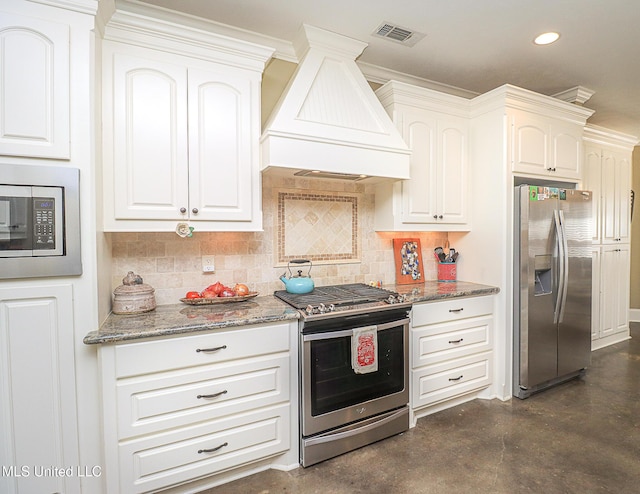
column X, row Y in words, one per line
column 299, row 283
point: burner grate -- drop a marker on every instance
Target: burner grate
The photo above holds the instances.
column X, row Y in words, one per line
column 351, row 294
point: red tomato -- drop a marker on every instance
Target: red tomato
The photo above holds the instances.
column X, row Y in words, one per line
column 216, row 288
column 192, row 295
column 208, row 294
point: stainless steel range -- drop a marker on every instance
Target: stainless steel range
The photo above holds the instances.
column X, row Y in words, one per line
column 354, row 354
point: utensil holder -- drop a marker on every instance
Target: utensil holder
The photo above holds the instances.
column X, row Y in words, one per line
column 447, row 272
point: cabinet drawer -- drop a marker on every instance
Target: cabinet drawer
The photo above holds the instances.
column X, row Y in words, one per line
column 434, row 383
column 186, row 351
column 152, row 403
column 449, row 310
column 155, row 462
column 438, row 342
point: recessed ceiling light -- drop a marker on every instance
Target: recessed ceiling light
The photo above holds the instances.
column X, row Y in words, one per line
column 546, row 38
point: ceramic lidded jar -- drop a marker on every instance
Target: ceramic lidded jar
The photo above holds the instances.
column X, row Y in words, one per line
column 133, row 296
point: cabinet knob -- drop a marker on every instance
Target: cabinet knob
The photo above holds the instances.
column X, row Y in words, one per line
column 435, row 216
column 194, row 210
column 183, row 210
column 440, row 217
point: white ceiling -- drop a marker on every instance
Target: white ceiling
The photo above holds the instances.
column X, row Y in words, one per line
column 475, row 45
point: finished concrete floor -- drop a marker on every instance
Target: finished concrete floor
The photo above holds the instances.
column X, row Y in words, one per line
column 580, row 437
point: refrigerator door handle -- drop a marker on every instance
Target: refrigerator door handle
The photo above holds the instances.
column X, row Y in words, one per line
column 565, row 261
column 561, row 256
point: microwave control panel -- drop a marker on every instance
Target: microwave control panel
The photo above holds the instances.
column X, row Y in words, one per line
column 44, row 223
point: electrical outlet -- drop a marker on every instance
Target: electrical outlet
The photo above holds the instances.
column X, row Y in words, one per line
column 208, row 265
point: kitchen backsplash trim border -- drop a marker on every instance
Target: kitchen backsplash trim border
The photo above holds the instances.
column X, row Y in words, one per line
column 285, row 227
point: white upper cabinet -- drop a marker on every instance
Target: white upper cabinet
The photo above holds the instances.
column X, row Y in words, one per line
column 34, row 81
column 220, row 146
column 436, row 130
column 608, row 175
column 545, row 146
column 181, row 135
column 150, row 159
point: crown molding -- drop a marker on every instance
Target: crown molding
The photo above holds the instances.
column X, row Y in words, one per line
column 82, row 6
column 382, row 75
column 163, row 29
column 578, row 95
column 601, row 135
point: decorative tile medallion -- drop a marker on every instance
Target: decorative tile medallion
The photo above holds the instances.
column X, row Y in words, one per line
column 320, row 227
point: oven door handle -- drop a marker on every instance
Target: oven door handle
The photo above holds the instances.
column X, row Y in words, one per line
column 330, row 335
column 335, row 436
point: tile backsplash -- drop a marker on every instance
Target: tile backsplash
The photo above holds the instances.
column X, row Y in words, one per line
column 172, row 265
column 321, row 227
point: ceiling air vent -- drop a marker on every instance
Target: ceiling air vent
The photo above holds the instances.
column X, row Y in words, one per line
column 398, row 34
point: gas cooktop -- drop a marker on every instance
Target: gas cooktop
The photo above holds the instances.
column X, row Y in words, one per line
column 336, row 298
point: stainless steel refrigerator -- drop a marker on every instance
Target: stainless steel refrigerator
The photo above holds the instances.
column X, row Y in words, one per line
column 552, row 302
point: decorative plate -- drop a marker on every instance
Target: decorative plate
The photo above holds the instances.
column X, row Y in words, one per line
column 218, row 300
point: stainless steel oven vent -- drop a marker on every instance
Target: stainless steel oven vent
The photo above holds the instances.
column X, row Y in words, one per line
column 323, row 174
column 401, row 35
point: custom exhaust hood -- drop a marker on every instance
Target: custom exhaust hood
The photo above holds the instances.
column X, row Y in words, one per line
column 329, row 123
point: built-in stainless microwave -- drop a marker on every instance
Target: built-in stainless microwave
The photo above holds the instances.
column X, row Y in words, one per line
column 39, row 221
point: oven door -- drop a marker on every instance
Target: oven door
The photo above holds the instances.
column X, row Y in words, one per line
column 333, row 394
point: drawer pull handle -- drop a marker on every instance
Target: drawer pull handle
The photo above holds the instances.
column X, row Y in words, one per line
column 212, row 450
column 214, row 395
column 456, row 378
column 456, row 310
column 456, row 341
column 211, row 349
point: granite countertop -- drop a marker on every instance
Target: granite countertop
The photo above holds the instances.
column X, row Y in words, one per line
column 168, row 320
column 174, row 319
column 433, row 290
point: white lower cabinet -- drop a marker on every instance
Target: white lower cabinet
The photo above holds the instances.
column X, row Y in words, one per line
column 612, row 303
column 38, row 417
column 451, row 352
column 184, row 408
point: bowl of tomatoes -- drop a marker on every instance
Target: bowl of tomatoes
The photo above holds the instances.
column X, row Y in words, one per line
column 218, row 293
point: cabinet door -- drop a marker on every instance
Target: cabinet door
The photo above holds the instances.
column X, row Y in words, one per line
column 593, row 182
column 437, row 191
column 566, row 150
column 34, row 81
column 622, row 288
column 451, row 172
column 150, row 160
column 221, row 177
column 614, row 309
column 419, row 194
column 622, row 197
column 530, row 144
column 38, row 422
column 616, row 197
column 546, row 146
